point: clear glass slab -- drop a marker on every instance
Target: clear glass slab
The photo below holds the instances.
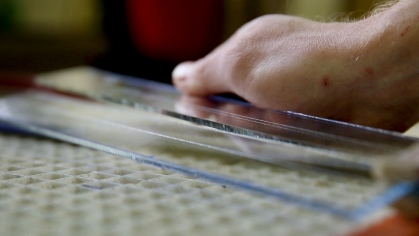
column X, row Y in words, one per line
column 318, row 163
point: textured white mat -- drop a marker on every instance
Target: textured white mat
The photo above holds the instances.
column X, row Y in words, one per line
column 53, row 188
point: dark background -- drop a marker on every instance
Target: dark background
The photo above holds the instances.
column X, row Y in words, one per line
column 105, row 40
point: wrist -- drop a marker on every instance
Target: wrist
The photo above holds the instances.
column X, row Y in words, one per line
column 388, row 66
column 398, row 26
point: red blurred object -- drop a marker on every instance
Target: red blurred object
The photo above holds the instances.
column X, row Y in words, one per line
column 175, row 30
column 396, row 225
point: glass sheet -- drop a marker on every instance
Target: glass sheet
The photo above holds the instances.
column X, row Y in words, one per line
column 301, row 147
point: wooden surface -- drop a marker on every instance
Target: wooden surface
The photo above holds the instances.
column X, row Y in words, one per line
column 396, row 225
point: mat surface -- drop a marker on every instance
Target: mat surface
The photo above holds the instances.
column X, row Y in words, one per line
column 54, row 188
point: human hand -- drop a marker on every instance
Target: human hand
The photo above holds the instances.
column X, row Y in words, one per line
column 360, row 72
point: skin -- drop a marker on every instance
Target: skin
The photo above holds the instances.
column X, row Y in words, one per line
column 364, row 72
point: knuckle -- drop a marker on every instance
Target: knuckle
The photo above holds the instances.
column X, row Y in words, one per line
column 248, row 49
column 243, row 55
column 260, row 23
column 241, row 61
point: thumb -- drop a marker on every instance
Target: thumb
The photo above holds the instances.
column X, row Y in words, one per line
column 201, row 78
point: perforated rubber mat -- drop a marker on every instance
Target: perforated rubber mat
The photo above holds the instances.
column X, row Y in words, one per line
column 54, row 188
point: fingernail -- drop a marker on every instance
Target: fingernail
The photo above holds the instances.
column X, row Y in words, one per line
column 180, row 73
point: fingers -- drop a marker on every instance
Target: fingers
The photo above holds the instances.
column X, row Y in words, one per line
column 224, row 70
column 201, row 78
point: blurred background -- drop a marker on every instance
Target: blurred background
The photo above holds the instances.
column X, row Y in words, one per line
column 144, row 38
